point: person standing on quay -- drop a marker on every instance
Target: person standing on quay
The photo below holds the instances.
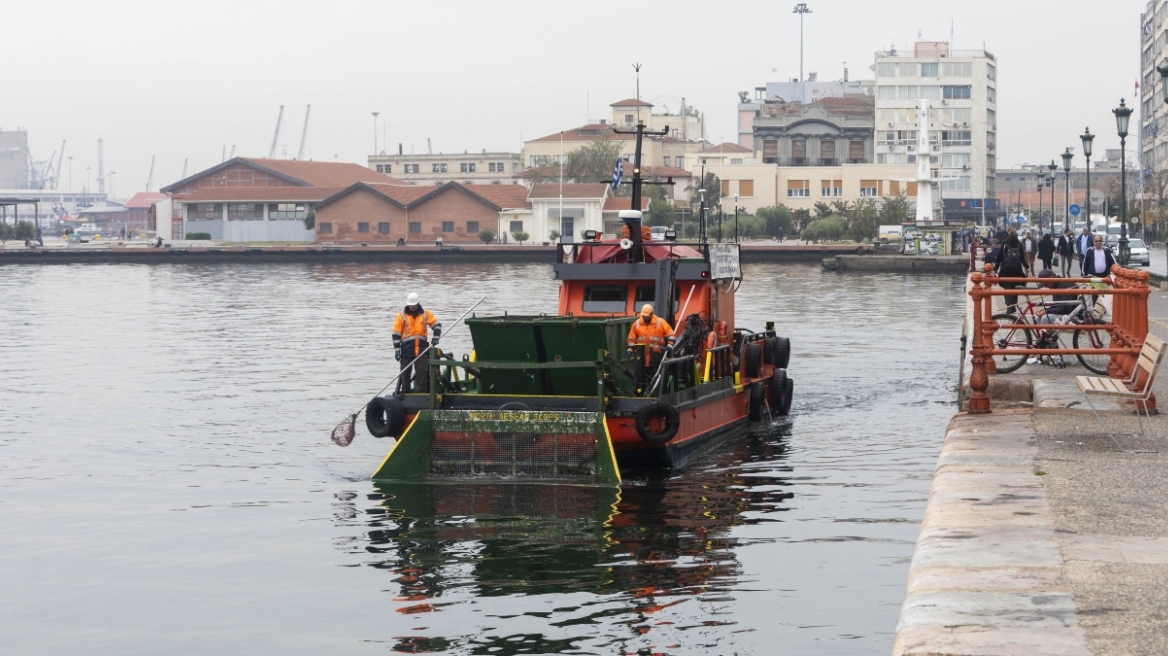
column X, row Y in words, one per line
column 1066, row 250
column 1046, row 250
column 1098, row 260
column 1084, row 245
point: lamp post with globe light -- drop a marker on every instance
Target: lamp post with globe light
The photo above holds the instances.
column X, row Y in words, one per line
column 1087, row 138
column 1067, row 155
column 1050, row 179
column 1122, row 115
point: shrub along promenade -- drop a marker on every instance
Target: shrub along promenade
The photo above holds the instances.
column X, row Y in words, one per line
column 114, row 252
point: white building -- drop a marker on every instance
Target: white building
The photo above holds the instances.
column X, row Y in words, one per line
column 1153, row 111
column 961, row 87
column 433, row 169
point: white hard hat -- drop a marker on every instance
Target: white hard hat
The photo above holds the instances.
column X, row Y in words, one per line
column 412, row 299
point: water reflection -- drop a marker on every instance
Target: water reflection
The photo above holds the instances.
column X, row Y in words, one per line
column 628, row 557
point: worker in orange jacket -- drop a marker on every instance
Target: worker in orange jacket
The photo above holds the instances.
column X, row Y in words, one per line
column 411, row 331
column 652, row 332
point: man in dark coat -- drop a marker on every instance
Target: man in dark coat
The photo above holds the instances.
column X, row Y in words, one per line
column 1011, row 263
column 1066, row 250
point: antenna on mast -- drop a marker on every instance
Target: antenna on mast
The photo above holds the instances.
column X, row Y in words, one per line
column 637, row 68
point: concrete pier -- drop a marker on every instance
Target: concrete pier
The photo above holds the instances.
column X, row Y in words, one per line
column 1042, row 536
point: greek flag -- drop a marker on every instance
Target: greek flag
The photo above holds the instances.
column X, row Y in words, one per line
column 616, row 173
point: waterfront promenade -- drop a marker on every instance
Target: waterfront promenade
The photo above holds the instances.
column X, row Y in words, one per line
column 1040, row 535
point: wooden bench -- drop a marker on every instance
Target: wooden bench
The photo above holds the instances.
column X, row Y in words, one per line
column 1136, row 388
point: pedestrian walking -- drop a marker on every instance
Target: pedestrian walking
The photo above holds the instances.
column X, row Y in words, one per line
column 1098, row 260
column 1083, row 244
column 1028, row 247
column 1066, row 251
column 1046, row 250
column 1011, row 263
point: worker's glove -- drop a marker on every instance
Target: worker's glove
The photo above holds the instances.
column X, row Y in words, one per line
column 397, row 354
column 629, row 354
column 669, row 351
column 434, row 342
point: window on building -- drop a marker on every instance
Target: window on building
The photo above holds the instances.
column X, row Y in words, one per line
column 363, row 226
column 383, row 228
column 908, row 69
column 912, row 190
column 516, row 226
column 380, row 169
column 746, row 188
column 886, row 92
column 827, row 153
column 856, row 152
column 869, row 189
column 462, row 167
column 204, row 212
column 929, row 92
column 415, row 227
column 410, row 168
column 798, row 188
column 956, row 137
column 666, row 160
column 472, row 227
column 886, row 69
column 435, row 168
column 629, row 119
column 389, row 168
column 825, row 188
column 909, row 92
column 957, row 69
column 955, row 160
column 955, row 91
column 287, row 211
column 932, row 69
column 448, row 226
column 894, row 188
column 470, row 168
column 798, row 152
column 837, row 188
column 725, row 187
column 961, row 183
column 325, row 228
column 245, row 212
column 735, row 160
column 770, row 151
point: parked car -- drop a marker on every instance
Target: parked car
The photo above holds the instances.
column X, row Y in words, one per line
column 1137, row 249
column 657, row 233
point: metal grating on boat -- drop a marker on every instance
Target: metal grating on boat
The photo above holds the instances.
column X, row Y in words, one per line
column 526, row 443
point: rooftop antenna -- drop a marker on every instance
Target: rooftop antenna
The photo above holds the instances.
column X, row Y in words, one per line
column 304, row 133
column 637, row 68
column 276, row 135
column 232, row 155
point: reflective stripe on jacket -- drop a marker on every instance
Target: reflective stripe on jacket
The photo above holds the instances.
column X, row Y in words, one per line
column 655, row 334
column 414, row 328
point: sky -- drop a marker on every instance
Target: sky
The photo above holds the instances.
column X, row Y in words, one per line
column 181, row 81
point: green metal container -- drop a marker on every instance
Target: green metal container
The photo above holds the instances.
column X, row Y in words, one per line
column 548, row 339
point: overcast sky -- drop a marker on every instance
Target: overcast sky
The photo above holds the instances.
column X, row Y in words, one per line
column 184, row 79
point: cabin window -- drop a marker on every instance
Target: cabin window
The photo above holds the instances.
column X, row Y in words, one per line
column 605, row 298
column 648, row 294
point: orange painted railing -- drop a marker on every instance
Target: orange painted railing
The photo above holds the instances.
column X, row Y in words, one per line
column 1129, row 291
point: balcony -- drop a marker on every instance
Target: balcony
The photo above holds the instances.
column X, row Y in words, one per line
column 829, row 162
column 799, row 161
column 859, row 160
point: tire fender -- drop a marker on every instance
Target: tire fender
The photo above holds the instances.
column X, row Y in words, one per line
column 778, row 391
column 752, row 354
column 657, row 410
column 782, row 352
column 755, row 400
column 385, row 417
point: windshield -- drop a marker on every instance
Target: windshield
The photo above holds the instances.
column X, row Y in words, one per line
column 1136, row 243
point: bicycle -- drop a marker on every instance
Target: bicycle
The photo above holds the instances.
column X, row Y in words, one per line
column 1085, row 338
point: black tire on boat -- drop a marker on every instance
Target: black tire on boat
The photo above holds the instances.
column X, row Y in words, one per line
column 768, row 350
column 782, row 352
column 755, row 401
column 787, row 395
column 385, row 417
column 753, row 359
column 657, row 423
column 778, row 391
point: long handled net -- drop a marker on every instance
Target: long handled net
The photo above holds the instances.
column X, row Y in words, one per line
column 344, row 432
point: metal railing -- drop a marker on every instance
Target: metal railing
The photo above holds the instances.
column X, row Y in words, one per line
column 1129, row 325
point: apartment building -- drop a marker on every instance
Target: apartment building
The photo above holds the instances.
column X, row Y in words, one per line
column 1153, row 134
column 438, row 169
column 961, row 87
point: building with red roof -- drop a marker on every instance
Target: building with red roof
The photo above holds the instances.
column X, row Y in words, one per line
column 247, row 199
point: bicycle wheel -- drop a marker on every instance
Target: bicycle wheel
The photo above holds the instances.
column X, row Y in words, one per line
column 1010, row 338
column 1087, row 338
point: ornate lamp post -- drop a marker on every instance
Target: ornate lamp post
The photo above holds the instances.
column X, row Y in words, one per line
column 1050, row 182
column 1122, row 115
column 1087, row 138
column 1067, row 155
column 1041, row 180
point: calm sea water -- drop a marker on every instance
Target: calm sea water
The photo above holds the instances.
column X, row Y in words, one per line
column 167, row 485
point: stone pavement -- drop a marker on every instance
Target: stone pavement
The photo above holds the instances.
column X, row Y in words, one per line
column 1040, row 535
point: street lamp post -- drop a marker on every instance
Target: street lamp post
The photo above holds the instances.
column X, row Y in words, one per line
column 1122, row 115
column 801, row 9
column 1087, row 138
column 375, row 115
column 1067, row 191
column 1041, row 180
column 1050, row 182
column 735, row 218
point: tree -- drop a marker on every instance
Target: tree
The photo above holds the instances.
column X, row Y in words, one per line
column 6, row 231
column 826, row 229
column 519, row 236
column 487, row 236
column 24, row 231
column 864, row 222
column 661, row 210
column 776, row 217
column 310, row 219
column 801, row 217
column 592, row 163
column 713, row 187
column 554, row 235
column 822, row 209
column 842, row 208
column 895, row 210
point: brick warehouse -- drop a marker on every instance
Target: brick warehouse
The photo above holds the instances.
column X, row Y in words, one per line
column 384, row 213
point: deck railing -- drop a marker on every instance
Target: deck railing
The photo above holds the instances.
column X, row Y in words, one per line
column 1128, row 289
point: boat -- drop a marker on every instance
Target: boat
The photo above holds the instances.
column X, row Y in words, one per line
column 556, row 396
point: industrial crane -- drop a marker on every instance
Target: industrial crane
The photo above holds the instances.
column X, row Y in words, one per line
column 304, row 133
column 150, row 178
column 276, row 136
column 57, row 173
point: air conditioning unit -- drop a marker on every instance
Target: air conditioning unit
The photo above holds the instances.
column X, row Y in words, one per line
column 911, row 148
column 965, row 124
column 965, row 167
column 944, row 102
column 891, row 124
